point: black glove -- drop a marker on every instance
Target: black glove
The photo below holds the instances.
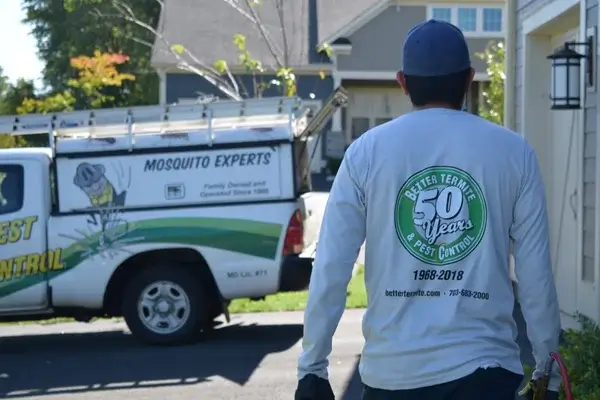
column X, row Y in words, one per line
column 311, row 387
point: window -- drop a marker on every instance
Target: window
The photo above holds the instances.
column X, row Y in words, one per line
column 442, row 14
column 53, row 191
column 11, row 188
column 359, row 126
column 492, row 20
column 475, row 21
column 467, row 19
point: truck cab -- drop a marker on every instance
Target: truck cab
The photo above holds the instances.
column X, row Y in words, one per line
column 25, row 203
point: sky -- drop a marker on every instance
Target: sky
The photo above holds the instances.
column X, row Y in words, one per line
column 18, row 49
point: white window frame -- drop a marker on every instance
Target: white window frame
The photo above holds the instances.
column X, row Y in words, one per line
column 479, row 32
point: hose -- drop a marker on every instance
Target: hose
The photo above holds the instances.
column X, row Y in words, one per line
column 556, row 358
column 537, row 389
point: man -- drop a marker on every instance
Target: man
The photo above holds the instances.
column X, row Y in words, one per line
column 438, row 194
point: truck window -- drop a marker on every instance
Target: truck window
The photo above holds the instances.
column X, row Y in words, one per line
column 11, row 188
column 53, row 199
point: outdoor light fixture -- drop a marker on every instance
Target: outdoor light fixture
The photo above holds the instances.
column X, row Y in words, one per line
column 565, row 92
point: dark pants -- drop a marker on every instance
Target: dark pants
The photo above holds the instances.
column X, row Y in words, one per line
column 488, row 384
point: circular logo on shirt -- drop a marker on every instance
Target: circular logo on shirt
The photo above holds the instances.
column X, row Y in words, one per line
column 440, row 215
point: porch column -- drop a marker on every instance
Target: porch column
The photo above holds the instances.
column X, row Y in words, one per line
column 337, row 117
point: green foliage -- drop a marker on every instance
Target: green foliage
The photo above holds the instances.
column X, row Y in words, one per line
column 62, row 101
column 493, row 93
column 285, row 79
column 11, row 96
column 178, row 48
column 66, row 29
column 8, row 141
column 94, row 75
column 581, row 354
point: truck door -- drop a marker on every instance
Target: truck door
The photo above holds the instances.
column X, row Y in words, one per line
column 24, row 210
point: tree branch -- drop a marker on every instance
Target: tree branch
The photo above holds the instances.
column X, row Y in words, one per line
column 230, row 89
column 281, row 15
column 189, row 62
column 266, row 36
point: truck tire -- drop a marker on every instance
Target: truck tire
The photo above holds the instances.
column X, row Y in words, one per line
column 165, row 305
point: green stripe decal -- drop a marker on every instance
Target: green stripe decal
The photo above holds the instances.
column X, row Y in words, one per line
column 254, row 238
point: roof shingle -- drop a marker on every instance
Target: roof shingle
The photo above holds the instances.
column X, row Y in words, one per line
column 206, row 28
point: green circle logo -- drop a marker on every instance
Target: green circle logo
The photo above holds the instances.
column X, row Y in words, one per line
column 440, row 215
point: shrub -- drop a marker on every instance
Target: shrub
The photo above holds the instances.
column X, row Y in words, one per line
column 581, row 354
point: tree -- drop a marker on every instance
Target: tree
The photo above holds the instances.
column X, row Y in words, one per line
column 95, row 77
column 14, row 95
column 11, row 96
column 67, row 28
column 219, row 72
column 8, row 94
column 8, row 141
column 493, row 93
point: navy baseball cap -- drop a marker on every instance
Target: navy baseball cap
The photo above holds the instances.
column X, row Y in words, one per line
column 435, row 48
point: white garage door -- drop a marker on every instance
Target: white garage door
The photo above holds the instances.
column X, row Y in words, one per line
column 562, row 201
column 369, row 107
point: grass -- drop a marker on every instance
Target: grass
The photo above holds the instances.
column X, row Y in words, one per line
column 356, row 298
column 293, row 301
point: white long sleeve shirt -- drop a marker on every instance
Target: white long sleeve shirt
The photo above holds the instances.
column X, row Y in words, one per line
column 438, row 195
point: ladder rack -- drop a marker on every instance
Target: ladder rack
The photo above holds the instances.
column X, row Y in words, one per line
column 132, row 121
column 338, row 99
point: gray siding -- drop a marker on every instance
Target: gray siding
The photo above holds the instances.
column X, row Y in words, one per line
column 525, row 7
column 377, row 46
column 589, row 164
column 190, row 86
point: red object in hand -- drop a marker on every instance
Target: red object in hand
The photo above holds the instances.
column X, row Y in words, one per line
column 564, row 374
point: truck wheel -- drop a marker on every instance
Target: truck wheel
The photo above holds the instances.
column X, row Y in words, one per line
column 165, row 305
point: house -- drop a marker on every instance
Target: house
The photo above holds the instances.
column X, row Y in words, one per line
column 365, row 38
column 564, row 139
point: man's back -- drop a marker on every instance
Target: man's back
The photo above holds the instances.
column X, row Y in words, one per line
column 440, row 189
column 438, row 195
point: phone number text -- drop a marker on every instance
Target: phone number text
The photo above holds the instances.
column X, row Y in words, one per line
column 469, row 293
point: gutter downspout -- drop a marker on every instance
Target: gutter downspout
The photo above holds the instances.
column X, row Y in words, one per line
column 510, row 50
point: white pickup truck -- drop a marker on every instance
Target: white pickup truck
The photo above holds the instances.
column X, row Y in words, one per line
column 161, row 215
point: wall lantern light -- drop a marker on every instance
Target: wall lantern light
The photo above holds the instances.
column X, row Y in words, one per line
column 565, row 92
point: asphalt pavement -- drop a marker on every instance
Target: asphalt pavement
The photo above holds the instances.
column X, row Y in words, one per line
column 252, row 358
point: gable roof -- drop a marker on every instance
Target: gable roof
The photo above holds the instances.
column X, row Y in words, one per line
column 335, row 15
column 206, row 28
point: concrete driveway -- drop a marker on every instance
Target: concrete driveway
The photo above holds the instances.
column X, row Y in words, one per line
column 254, row 358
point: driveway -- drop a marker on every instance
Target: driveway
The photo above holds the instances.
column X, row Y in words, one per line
column 254, row 358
